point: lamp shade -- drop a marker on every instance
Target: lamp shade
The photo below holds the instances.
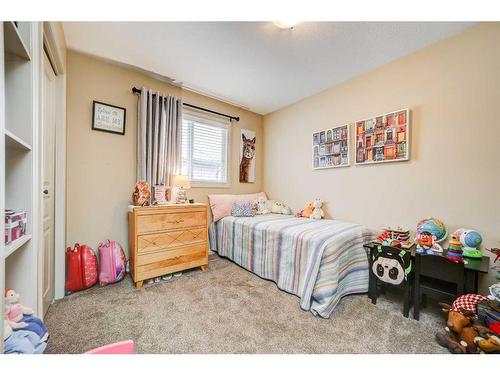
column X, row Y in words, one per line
column 181, row 181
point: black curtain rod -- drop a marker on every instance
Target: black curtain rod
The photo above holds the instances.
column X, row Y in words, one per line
column 135, row 90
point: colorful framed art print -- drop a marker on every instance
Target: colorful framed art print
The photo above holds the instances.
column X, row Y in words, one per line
column 331, row 148
column 383, row 138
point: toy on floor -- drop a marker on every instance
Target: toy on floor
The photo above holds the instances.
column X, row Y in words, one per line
column 470, row 240
column 317, row 213
column 261, row 206
column 17, row 319
column 307, row 211
column 430, row 232
column 21, row 342
column 490, row 344
column 489, row 311
column 455, row 251
column 462, row 328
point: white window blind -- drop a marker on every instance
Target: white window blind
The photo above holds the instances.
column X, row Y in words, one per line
column 204, row 149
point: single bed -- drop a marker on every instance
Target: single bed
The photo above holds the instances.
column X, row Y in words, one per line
column 319, row 261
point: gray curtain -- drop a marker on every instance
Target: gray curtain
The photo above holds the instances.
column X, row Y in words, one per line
column 158, row 137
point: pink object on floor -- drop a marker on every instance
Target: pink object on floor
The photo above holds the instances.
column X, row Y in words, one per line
column 122, row 347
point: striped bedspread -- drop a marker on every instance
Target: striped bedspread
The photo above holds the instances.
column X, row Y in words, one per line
column 319, row 261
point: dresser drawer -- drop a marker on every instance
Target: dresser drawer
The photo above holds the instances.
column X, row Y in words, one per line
column 149, row 243
column 161, row 260
column 170, row 221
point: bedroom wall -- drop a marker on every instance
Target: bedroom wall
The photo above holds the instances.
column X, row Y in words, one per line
column 101, row 167
column 453, row 90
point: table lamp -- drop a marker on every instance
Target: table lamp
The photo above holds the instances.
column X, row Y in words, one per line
column 181, row 182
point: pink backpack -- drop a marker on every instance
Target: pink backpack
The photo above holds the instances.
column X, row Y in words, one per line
column 111, row 262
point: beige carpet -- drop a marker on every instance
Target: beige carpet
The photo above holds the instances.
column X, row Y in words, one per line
column 229, row 310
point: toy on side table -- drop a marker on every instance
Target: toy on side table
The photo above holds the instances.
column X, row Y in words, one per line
column 317, row 213
column 430, row 232
column 395, row 237
column 470, row 240
column 455, row 251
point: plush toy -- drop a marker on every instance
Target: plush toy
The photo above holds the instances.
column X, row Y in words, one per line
column 461, row 334
column 306, row 212
column 276, row 208
column 317, row 213
column 18, row 321
column 261, row 206
column 285, row 210
column 12, row 298
column 21, row 342
column 488, row 343
column 142, row 193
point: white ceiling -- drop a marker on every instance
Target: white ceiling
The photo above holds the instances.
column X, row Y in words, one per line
column 255, row 64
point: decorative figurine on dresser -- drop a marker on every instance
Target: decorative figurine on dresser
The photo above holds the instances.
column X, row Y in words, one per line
column 166, row 239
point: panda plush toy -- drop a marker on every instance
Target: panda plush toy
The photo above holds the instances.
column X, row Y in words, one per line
column 391, row 265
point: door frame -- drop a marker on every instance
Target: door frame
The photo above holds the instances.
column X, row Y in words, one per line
column 55, row 49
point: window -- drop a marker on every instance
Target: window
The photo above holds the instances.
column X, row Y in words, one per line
column 205, row 149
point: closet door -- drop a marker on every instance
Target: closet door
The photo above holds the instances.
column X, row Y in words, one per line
column 49, row 126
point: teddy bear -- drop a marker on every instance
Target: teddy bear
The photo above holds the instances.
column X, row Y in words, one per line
column 317, row 213
column 261, row 206
column 306, row 212
column 277, row 207
column 142, row 193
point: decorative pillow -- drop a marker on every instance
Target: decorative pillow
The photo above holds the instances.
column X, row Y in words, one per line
column 243, row 210
column 221, row 204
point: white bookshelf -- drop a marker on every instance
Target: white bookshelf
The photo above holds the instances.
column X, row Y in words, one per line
column 19, row 127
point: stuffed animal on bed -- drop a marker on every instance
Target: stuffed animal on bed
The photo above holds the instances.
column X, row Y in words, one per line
column 317, row 213
column 276, row 208
column 306, row 212
column 285, row 210
column 261, row 206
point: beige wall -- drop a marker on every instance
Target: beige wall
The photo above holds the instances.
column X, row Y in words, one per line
column 101, row 167
column 453, row 90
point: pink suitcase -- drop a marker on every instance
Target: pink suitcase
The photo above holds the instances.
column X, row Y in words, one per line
column 111, row 262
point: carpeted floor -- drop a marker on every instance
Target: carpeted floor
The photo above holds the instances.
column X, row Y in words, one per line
column 229, row 310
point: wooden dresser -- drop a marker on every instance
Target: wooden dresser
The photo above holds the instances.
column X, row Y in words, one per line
column 166, row 239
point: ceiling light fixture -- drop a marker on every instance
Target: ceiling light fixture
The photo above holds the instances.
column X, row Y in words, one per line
column 286, row 24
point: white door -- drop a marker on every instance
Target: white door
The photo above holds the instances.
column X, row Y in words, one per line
column 49, row 127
